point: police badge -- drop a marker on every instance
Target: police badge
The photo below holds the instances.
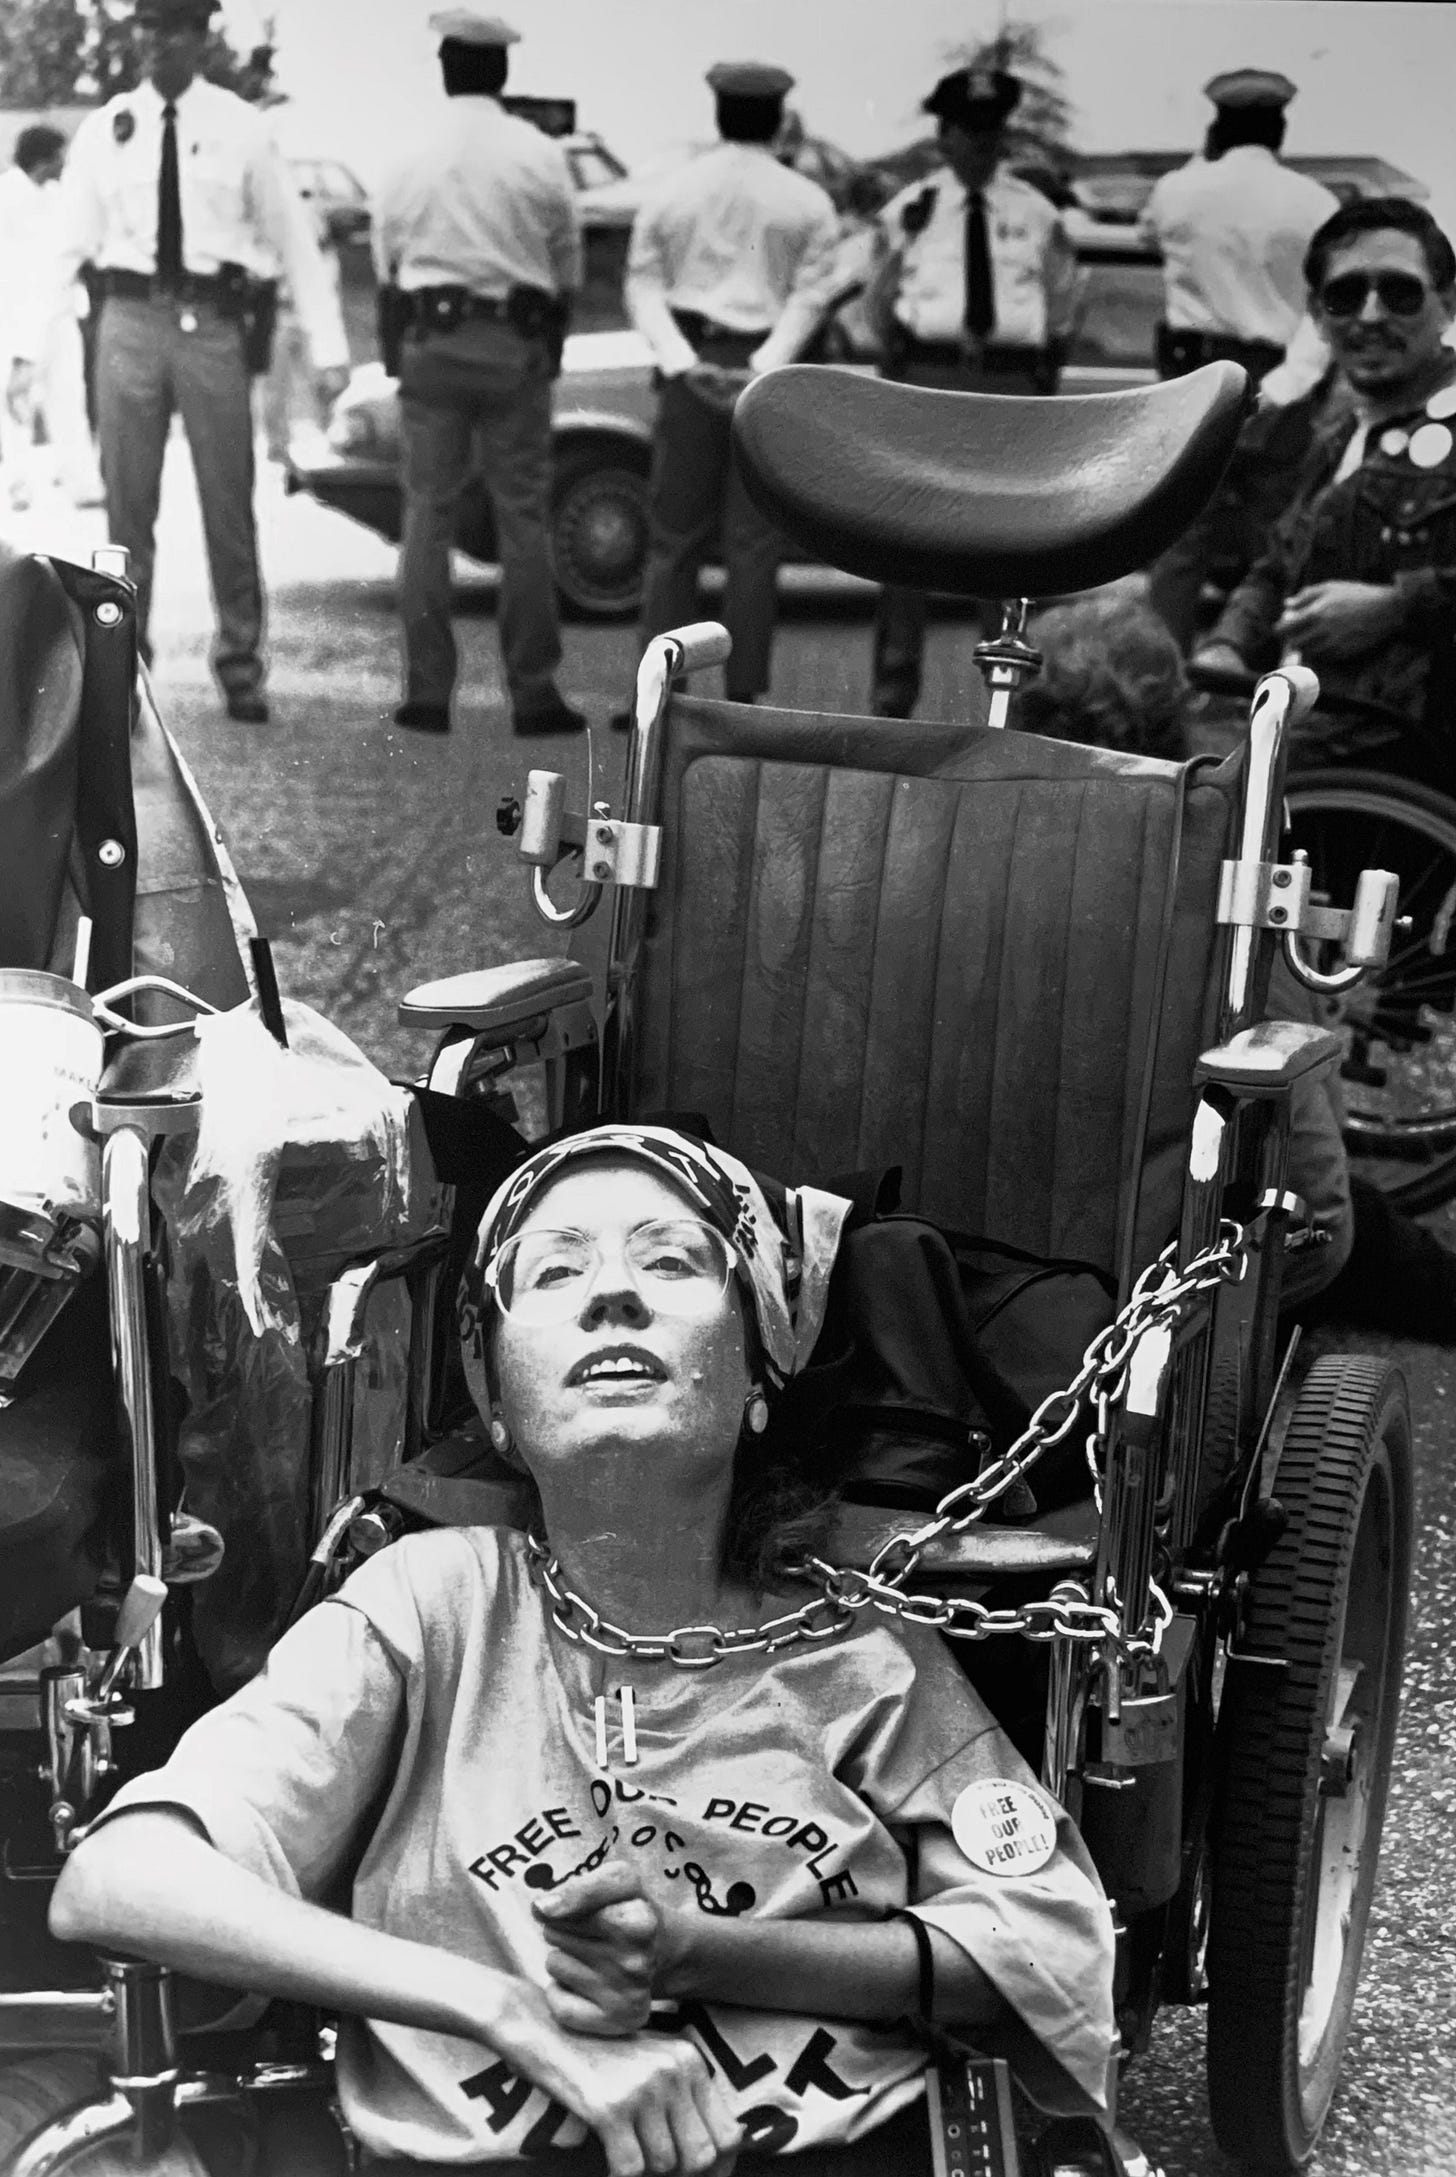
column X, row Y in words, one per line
column 123, row 125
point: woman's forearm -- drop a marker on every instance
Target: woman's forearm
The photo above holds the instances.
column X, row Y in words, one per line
column 866, row 1969
column 149, row 1885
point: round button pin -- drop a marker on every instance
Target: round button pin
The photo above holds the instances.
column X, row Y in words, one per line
column 1430, row 445
column 1442, row 404
column 1394, row 441
column 1003, row 1827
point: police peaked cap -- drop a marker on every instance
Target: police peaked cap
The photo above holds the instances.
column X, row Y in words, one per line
column 975, row 98
column 472, row 26
column 1239, row 88
column 749, row 79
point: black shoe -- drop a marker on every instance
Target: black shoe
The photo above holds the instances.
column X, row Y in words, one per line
column 623, row 721
column 247, row 710
column 889, row 707
column 555, row 715
column 424, row 717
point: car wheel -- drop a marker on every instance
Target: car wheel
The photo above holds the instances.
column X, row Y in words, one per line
column 599, row 529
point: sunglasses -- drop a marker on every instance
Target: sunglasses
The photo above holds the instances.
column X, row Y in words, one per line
column 1402, row 294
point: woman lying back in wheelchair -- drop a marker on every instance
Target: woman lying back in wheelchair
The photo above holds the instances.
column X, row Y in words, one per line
column 688, row 1911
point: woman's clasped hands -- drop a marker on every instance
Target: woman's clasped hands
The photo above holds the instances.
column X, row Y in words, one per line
column 608, row 1946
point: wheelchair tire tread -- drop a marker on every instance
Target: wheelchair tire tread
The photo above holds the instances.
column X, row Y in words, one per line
column 1351, row 1418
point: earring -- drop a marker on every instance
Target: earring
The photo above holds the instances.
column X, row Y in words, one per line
column 500, row 1435
column 755, row 1412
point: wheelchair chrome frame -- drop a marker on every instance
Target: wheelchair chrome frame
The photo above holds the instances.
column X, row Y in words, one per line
column 1153, row 1426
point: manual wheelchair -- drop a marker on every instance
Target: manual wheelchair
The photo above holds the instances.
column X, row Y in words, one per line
column 1030, row 976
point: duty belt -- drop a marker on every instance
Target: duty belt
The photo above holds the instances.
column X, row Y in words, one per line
column 707, row 332
column 1181, row 349
column 441, row 309
column 905, row 347
column 145, row 287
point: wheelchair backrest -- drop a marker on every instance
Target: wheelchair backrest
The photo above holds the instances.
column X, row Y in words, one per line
column 984, row 957
column 86, row 764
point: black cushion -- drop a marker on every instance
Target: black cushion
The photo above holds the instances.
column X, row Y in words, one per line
column 984, row 494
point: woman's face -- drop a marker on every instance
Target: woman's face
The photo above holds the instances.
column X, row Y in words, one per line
column 618, row 1374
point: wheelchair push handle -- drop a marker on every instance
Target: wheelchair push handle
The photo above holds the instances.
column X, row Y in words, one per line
column 705, row 642
column 622, row 851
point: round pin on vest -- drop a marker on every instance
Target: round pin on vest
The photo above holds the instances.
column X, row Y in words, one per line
column 1003, row 1827
column 1430, row 445
column 1394, row 441
column 1442, row 404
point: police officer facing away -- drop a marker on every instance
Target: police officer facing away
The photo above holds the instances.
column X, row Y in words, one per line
column 477, row 239
column 1233, row 227
column 729, row 273
column 974, row 291
column 176, row 193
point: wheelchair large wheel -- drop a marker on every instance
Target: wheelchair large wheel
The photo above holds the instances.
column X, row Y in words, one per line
column 1399, row 1072
column 36, row 2089
column 1305, row 1744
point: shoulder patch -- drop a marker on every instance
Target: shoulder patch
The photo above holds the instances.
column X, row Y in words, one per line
column 916, row 216
column 1003, row 1827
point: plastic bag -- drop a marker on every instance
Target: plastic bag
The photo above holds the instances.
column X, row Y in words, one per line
column 306, row 1160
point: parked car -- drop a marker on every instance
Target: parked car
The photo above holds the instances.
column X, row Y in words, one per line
column 603, row 432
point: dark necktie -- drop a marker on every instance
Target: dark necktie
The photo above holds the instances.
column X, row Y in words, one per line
column 980, row 294
column 170, row 267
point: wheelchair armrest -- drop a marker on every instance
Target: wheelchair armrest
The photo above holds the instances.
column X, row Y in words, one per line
column 1267, row 1059
column 497, row 1002
column 1064, row 1540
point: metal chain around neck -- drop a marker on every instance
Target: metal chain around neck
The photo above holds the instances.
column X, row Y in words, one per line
column 1160, row 1297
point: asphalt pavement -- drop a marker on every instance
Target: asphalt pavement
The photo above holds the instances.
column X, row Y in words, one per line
column 373, row 862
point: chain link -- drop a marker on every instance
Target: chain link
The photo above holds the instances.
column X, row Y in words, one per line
column 1161, row 1297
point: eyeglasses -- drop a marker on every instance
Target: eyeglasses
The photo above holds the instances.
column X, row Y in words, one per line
column 679, row 1266
column 1403, row 294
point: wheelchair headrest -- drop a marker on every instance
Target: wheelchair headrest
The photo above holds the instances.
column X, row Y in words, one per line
column 984, row 494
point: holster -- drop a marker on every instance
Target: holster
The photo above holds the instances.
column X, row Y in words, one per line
column 392, row 318
column 254, row 304
column 536, row 314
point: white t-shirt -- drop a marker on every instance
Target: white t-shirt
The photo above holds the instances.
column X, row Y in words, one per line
column 429, row 1739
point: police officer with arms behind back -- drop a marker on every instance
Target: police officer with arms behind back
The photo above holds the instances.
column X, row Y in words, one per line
column 974, row 291
column 178, row 196
column 1233, row 227
column 478, row 249
column 728, row 275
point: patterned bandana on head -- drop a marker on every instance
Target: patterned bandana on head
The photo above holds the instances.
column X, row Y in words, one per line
column 783, row 1268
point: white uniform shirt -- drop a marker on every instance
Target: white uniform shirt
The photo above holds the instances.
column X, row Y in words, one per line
column 1233, row 232
column 740, row 239
column 239, row 205
column 487, row 203
column 1033, row 266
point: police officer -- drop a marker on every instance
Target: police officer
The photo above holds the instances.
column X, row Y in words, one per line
column 477, row 236
column 1233, row 227
column 729, row 273
column 176, row 193
column 974, row 291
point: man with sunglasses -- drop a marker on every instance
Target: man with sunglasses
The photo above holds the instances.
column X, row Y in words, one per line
column 1359, row 578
